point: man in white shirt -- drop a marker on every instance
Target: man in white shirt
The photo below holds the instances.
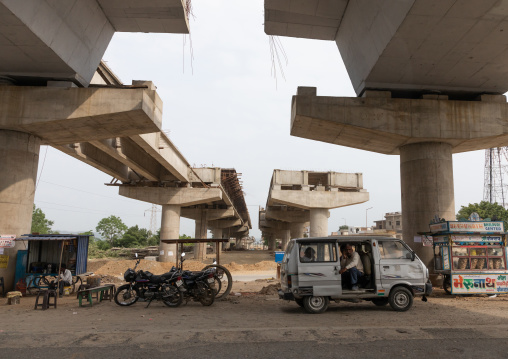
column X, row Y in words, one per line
column 65, row 278
column 351, row 268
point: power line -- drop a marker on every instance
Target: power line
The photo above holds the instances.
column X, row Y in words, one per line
column 80, row 190
column 88, row 210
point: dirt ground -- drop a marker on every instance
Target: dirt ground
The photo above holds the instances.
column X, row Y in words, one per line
column 243, row 264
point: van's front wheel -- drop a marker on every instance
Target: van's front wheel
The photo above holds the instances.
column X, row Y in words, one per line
column 315, row 305
column 401, row 299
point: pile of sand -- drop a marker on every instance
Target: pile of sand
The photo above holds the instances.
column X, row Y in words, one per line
column 117, row 268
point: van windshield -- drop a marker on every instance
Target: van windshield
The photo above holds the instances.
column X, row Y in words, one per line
column 318, row 252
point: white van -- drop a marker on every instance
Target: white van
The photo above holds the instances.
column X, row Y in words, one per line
column 392, row 273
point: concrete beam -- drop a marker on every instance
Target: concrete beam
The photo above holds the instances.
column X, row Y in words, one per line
column 170, row 195
column 61, row 116
column 224, row 223
column 127, row 152
column 275, row 212
column 158, row 146
column 316, row 199
column 213, row 214
column 94, row 157
column 383, row 124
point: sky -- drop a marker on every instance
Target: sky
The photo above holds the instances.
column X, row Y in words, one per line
column 225, row 108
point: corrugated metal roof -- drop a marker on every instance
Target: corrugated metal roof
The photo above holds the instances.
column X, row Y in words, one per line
column 59, row 238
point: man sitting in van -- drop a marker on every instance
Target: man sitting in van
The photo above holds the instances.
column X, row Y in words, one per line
column 351, row 267
column 309, row 255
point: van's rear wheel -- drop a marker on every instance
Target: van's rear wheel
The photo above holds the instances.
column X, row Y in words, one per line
column 401, row 299
column 315, row 305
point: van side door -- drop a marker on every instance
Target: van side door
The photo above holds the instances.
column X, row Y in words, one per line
column 396, row 266
column 318, row 268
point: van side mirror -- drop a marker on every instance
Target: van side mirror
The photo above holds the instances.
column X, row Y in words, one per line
column 411, row 255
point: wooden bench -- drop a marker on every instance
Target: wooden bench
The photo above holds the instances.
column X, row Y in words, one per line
column 106, row 291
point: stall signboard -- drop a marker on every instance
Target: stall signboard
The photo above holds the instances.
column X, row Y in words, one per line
column 479, row 283
column 473, row 238
column 467, row 227
column 7, row 240
column 4, row 261
column 439, row 227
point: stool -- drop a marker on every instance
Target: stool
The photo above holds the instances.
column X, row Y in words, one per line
column 2, row 285
column 46, row 299
column 110, row 294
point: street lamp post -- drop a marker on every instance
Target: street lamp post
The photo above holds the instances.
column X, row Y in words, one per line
column 344, row 221
column 366, row 217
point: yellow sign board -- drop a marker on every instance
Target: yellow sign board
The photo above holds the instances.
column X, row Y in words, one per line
column 4, row 260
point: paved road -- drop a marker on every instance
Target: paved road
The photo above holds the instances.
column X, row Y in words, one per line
column 256, row 326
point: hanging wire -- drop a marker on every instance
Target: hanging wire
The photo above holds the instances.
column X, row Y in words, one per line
column 42, row 168
column 189, row 13
column 275, row 48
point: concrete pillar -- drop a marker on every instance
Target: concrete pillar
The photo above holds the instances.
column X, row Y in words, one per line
column 319, row 222
column 170, row 229
column 217, row 233
column 286, row 236
column 201, row 233
column 426, row 177
column 271, row 242
column 19, row 158
column 297, row 229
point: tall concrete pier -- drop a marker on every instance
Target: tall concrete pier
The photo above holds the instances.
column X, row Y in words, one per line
column 429, row 77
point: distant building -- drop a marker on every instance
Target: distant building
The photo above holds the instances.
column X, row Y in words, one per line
column 391, row 223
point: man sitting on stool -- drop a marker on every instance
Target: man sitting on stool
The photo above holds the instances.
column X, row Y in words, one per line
column 65, row 278
column 351, row 268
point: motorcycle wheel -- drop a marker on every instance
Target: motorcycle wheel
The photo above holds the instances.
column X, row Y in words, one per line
column 224, row 276
column 206, row 295
column 126, row 296
column 171, row 296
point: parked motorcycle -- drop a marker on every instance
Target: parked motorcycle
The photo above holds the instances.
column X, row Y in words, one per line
column 143, row 284
column 197, row 286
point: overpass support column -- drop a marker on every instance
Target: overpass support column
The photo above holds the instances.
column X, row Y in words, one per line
column 296, row 229
column 271, row 242
column 170, row 229
column 319, row 222
column 201, row 233
column 286, row 236
column 217, row 233
column 426, row 176
column 19, row 158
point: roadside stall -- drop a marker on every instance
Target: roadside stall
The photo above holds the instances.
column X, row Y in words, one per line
column 471, row 256
column 39, row 263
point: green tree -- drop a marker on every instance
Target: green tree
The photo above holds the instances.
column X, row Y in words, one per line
column 344, row 226
column 40, row 224
column 133, row 237
column 184, row 236
column 111, row 228
column 485, row 209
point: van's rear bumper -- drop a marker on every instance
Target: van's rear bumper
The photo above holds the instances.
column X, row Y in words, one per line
column 286, row 295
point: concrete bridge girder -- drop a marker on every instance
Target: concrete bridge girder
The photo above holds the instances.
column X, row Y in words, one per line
column 81, row 114
column 317, row 199
column 383, row 124
column 180, row 196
